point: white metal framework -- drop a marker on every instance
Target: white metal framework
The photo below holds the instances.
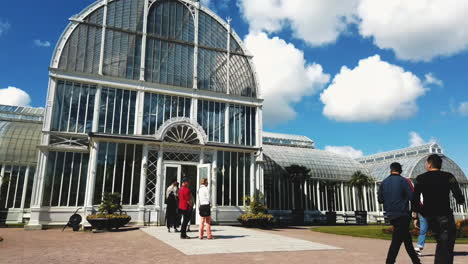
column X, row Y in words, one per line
column 135, row 84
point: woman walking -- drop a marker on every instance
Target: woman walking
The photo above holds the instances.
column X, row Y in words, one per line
column 204, row 209
column 171, row 207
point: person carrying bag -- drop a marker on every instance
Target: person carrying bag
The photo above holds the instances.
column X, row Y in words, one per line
column 204, row 209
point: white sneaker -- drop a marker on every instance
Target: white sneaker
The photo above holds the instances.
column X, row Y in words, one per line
column 418, row 251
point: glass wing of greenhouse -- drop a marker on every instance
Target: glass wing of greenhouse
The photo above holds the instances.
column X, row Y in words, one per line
column 143, row 93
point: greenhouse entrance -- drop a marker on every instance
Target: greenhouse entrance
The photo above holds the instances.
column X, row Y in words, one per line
column 178, row 163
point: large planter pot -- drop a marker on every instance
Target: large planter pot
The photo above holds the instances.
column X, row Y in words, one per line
column 108, row 223
column 361, row 217
column 99, row 224
column 331, row 218
column 119, row 222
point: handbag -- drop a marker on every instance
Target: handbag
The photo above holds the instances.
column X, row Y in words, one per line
column 204, row 210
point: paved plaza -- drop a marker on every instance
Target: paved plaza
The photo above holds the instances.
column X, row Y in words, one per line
column 155, row 245
column 235, row 240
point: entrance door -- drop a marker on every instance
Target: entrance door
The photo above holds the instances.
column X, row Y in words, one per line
column 203, row 173
column 172, row 174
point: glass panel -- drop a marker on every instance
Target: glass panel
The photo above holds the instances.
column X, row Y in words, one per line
column 117, row 111
column 73, row 107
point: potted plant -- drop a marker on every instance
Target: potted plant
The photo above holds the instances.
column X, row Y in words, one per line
column 256, row 215
column 109, row 214
column 359, row 180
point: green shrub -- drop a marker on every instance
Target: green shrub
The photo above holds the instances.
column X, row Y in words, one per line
column 257, row 213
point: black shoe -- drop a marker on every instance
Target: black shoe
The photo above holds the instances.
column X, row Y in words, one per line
column 175, row 230
column 185, row 237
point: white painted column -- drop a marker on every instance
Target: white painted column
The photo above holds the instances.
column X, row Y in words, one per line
column 343, row 206
column 143, row 41
column 103, row 38
column 2, row 174
column 194, row 110
column 252, row 175
column 226, row 124
column 377, row 205
column 90, row 184
column 142, row 196
column 140, row 102
column 306, row 194
column 195, row 49
column 354, row 198
column 214, row 179
column 97, row 104
column 159, row 185
column 319, row 206
column 38, row 192
column 228, row 48
column 364, row 190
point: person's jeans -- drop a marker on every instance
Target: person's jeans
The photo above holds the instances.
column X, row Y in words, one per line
column 401, row 234
column 422, row 231
column 205, row 220
column 444, row 230
column 187, row 215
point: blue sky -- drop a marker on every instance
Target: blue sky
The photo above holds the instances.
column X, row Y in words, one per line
column 416, row 83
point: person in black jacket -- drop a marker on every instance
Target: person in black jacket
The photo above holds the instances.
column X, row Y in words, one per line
column 395, row 193
column 435, row 186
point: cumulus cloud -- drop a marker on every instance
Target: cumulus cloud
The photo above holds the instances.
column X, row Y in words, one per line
column 416, row 30
column 373, row 91
column 430, row 79
column 347, row 151
column 4, row 27
column 463, row 109
column 14, row 96
column 416, row 140
column 317, row 22
column 42, row 44
column 285, row 76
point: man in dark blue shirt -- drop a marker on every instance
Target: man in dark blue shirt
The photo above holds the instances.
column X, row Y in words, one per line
column 435, row 186
column 395, row 193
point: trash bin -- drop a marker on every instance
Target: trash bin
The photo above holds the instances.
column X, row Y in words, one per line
column 298, row 216
column 361, row 217
column 331, row 218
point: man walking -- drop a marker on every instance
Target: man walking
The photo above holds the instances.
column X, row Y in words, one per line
column 435, row 186
column 395, row 193
column 185, row 207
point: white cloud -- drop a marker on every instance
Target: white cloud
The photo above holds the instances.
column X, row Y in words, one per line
column 347, row 151
column 285, row 76
column 4, row 27
column 317, row 22
column 416, row 140
column 373, row 91
column 42, row 44
column 429, row 79
column 463, row 109
column 417, row 30
column 14, row 96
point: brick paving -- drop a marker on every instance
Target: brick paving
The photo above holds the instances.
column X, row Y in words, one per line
column 53, row 246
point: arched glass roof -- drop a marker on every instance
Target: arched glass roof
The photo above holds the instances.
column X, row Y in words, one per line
column 115, row 36
column 414, row 166
column 19, row 141
column 323, row 165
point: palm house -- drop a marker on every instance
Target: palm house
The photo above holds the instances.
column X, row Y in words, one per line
column 145, row 92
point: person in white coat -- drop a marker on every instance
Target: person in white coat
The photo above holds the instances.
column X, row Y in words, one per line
column 204, row 209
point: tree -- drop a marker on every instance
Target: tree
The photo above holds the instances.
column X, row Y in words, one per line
column 359, row 180
column 297, row 175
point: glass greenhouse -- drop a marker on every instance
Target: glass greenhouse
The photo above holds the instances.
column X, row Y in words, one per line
column 145, row 92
